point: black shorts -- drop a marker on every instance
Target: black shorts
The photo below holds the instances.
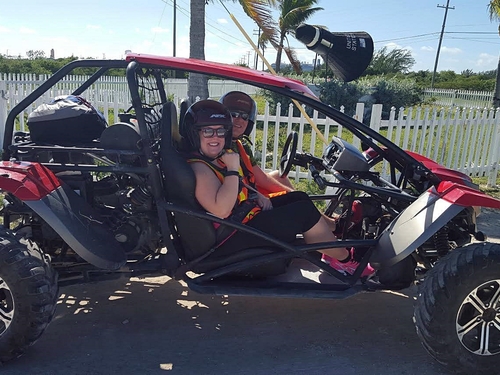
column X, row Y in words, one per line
column 292, row 213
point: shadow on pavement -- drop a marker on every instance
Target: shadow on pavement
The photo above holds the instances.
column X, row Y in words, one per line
column 157, row 326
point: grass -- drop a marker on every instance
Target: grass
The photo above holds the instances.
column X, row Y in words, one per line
column 491, row 191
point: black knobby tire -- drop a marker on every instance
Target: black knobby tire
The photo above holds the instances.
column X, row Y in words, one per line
column 28, row 294
column 457, row 311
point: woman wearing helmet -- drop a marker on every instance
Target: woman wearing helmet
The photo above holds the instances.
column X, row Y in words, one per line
column 224, row 191
column 244, row 112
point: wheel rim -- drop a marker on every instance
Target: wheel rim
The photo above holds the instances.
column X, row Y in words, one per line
column 478, row 320
column 6, row 306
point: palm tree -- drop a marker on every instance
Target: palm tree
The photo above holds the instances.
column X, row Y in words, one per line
column 258, row 10
column 197, row 83
column 494, row 10
column 292, row 14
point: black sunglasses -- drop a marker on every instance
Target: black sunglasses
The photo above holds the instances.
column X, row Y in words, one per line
column 209, row 132
column 243, row 115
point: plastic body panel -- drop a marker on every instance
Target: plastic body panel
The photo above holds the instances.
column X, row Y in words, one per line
column 424, row 217
column 64, row 210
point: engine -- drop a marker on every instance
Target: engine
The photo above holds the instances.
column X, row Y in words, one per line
column 365, row 219
column 124, row 204
column 128, row 209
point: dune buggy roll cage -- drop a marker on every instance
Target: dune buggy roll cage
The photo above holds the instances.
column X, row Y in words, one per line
column 145, row 81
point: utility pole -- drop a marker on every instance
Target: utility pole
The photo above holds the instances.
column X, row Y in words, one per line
column 256, row 58
column 440, row 39
column 175, row 13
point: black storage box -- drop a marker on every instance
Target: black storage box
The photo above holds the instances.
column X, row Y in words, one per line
column 68, row 119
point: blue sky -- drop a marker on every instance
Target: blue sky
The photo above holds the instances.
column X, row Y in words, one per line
column 107, row 28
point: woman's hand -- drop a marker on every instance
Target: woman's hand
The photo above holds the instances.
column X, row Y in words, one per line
column 231, row 159
column 264, row 202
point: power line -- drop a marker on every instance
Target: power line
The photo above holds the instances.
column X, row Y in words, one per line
column 187, row 13
column 472, row 32
column 405, row 37
column 159, row 22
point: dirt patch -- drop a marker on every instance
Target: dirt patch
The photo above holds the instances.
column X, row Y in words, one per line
column 488, row 222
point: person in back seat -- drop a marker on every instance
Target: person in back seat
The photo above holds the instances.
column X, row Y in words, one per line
column 244, row 112
column 223, row 190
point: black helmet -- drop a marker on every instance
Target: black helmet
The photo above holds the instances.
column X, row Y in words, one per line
column 239, row 101
column 205, row 113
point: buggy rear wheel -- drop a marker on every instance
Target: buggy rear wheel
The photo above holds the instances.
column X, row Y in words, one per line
column 28, row 294
column 457, row 312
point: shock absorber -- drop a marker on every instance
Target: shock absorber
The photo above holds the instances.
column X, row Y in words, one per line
column 441, row 241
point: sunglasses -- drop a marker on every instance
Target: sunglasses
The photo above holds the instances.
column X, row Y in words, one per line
column 243, row 115
column 209, row 132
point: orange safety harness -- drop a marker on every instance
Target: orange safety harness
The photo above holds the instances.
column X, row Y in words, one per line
column 245, row 207
column 247, row 167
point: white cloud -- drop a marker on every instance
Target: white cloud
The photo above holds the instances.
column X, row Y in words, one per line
column 25, row 30
column 486, row 61
column 427, row 49
column 93, row 27
column 391, row 46
column 159, row 30
column 451, row 51
column 222, row 20
column 4, row 30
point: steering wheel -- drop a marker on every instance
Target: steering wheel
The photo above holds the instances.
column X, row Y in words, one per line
column 288, row 154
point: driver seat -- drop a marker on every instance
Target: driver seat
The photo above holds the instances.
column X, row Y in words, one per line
column 199, row 236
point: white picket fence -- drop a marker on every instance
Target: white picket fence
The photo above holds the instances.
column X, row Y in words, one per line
column 460, row 98
column 19, row 86
column 465, row 139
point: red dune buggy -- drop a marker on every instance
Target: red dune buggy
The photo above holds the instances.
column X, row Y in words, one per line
column 87, row 202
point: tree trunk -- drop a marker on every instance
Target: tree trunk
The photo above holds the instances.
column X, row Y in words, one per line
column 278, row 59
column 496, row 95
column 198, row 83
column 279, row 53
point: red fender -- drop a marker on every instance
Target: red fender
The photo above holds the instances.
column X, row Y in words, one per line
column 465, row 195
column 424, row 217
column 27, row 181
column 67, row 213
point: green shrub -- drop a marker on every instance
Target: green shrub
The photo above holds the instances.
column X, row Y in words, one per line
column 375, row 90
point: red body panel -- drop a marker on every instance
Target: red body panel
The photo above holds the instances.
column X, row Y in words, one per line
column 228, row 71
column 27, row 181
column 446, row 174
column 465, row 196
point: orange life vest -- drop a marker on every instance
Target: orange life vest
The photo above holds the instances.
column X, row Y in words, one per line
column 244, row 210
column 245, row 162
column 248, row 171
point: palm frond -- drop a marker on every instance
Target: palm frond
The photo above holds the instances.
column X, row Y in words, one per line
column 260, row 12
column 494, row 10
column 297, row 16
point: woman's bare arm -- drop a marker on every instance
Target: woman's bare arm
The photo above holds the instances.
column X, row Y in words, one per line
column 216, row 198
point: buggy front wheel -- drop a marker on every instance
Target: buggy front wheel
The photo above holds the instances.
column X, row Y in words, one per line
column 457, row 311
column 28, row 294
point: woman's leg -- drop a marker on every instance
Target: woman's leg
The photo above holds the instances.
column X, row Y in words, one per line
column 292, row 214
column 294, row 196
column 321, row 232
column 282, row 180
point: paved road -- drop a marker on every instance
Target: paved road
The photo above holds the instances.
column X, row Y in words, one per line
column 158, row 326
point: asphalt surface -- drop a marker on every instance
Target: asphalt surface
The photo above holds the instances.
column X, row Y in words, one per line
column 158, row 326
